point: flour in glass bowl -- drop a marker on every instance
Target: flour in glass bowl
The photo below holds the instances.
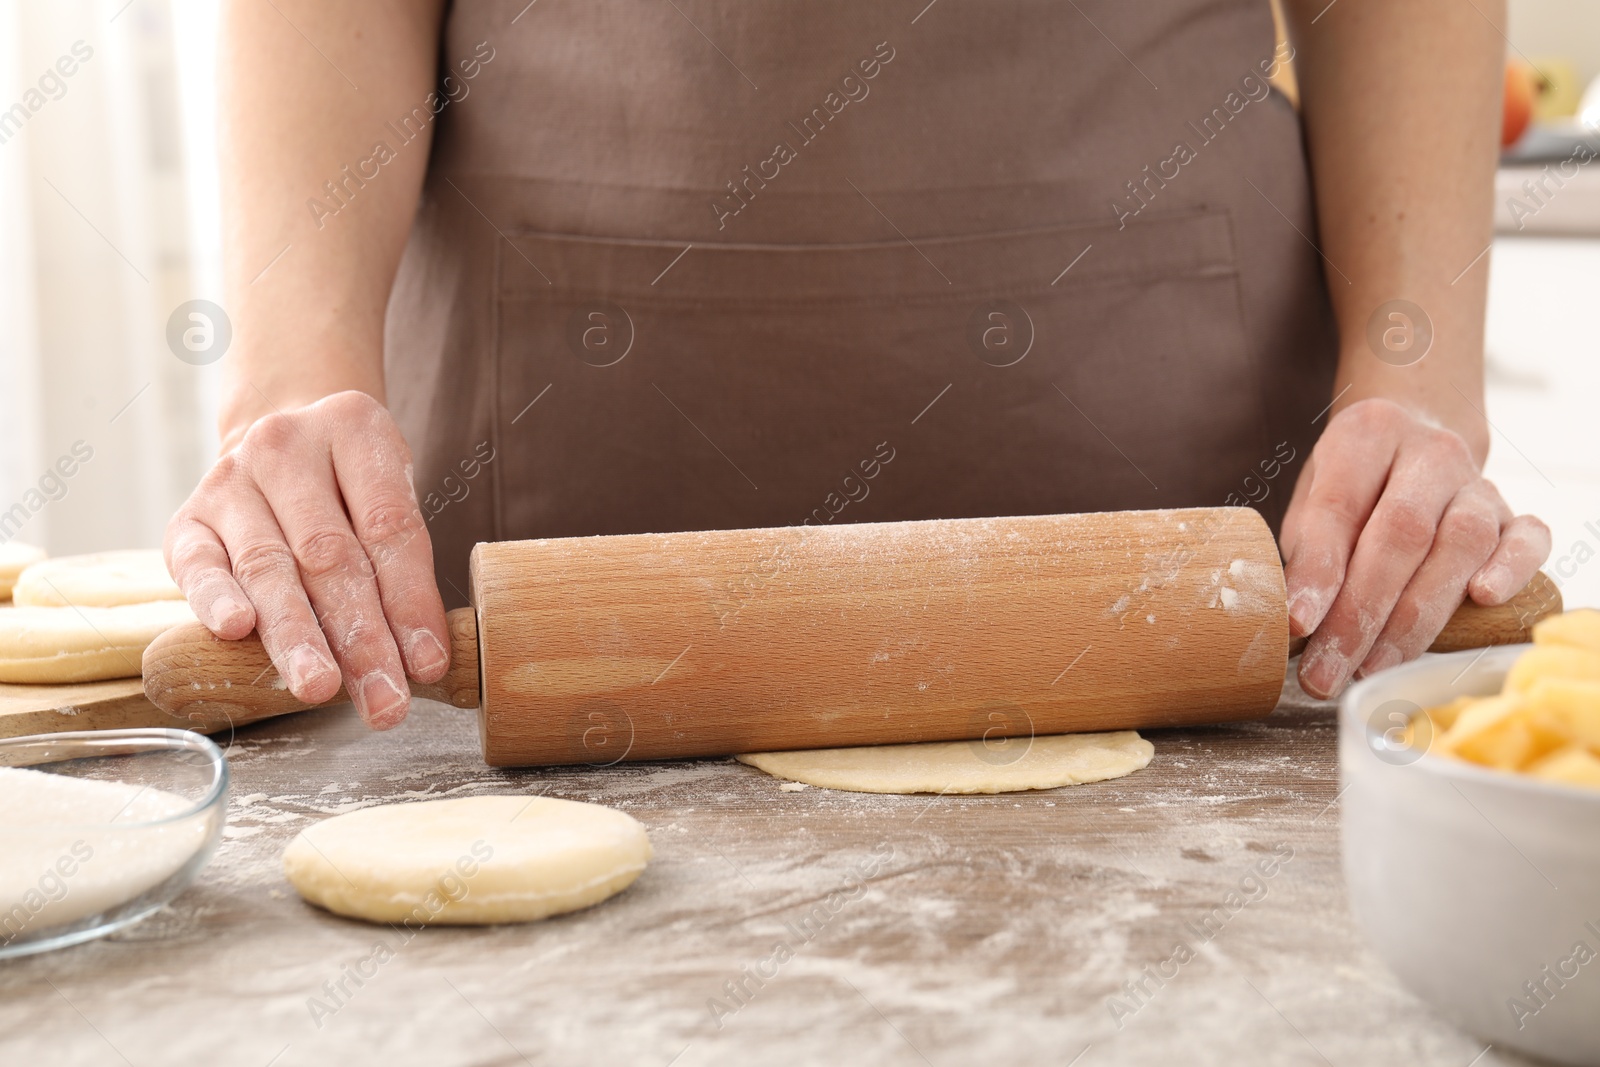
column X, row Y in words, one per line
column 76, row 847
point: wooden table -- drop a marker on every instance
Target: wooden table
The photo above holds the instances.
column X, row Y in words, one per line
column 994, row 930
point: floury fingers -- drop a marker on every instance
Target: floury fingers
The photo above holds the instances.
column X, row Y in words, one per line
column 853, row 88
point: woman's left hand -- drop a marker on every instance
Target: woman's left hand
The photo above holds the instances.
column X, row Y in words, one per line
column 1391, row 525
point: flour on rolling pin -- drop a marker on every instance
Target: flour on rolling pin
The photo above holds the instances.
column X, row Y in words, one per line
column 647, row 646
column 1244, row 584
column 76, row 847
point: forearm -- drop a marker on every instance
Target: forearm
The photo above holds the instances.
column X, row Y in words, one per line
column 1401, row 102
column 307, row 285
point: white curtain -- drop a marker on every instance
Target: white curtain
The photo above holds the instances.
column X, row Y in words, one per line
column 107, row 224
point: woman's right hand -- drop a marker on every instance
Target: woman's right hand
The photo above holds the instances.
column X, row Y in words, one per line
column 308, row 530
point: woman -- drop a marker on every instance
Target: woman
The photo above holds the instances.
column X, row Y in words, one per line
column 624, row 265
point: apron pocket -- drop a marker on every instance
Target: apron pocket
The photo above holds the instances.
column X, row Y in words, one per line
column 1050, row 370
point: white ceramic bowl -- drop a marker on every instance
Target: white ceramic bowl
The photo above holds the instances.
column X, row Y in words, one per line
column 1480, row 889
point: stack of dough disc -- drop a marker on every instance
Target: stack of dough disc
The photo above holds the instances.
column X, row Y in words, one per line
column 15, row 557
column 86, row 618
column 100, row 580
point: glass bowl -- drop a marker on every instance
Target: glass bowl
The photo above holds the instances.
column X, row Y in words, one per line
column 98, row 829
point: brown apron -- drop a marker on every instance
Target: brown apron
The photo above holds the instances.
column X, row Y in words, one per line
column 714, row 263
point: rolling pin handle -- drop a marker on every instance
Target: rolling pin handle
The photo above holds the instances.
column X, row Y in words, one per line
column 191, row 673
column 459, row 686
column 1476, row 626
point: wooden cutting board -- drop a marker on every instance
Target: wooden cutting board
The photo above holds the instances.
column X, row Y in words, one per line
column 116, row 704
column 48, row 709
column 119, row 704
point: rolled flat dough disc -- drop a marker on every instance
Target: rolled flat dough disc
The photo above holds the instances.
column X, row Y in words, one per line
column 963, row 766
column 469, row 860
column 15, row 557
column 57, row 645
column 102, row 580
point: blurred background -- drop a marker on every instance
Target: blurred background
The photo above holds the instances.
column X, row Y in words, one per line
column 109, row 222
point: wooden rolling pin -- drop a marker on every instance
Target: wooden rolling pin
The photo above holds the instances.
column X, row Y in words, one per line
column 646, row 646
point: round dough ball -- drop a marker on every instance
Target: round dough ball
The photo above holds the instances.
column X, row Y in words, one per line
column 466, row 861
column 963, row 766
column 15, row 557
column 102, row 580
column 43, row 646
